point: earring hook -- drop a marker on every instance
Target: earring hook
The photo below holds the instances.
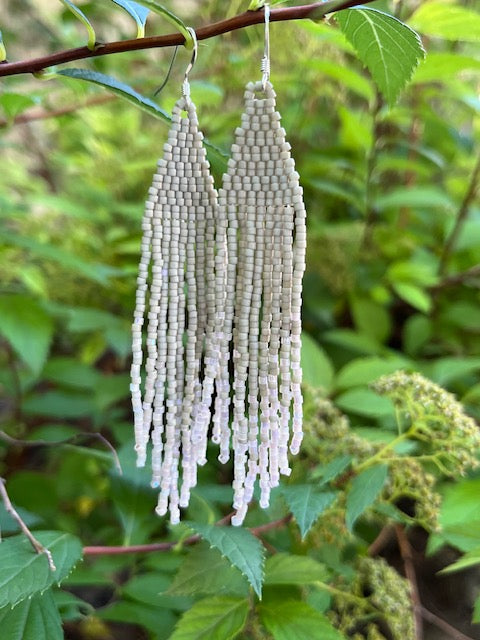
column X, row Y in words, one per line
column 265, row 66
column 186, row 85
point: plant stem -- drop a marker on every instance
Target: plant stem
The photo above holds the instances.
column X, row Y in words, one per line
column 460, row 218
column 9, row 508
column 406, row 553
column 167, row 546
column 380, row 454
column 315, row 11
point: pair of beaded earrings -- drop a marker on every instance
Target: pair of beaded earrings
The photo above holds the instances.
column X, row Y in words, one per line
column 223, row 305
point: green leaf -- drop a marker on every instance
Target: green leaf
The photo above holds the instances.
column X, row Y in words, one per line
column 156, row 7
column 10, row 525
column 84, row 20
column 364, row 490
column 206, row 571
column 127, row 93
column 333, row 469
column 476, row 611
column 284, row 568
column 97, row 272
column 293, row 619
column 470, row 559
column 240, row 546
column 138, row 13
column 389, row 48
column 158, row 622
column 415, row 197
column 441, row 64
column 58, row 404
column 27, row 327
column 316, row 366
column 25, row 572
column 35, row 618
column 307, row 503
column 70, row 372
column 364, row 402
column 149, row 588
column 413, row 295
column 218, row 618
column 445, row 19
column 446, row 370
column 371, row 319
column 362, row 371
column 119, row 88
column 15, row 103
column 3, row 51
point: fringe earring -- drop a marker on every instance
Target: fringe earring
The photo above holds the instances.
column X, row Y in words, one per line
column 262, row 200
column 175, row 273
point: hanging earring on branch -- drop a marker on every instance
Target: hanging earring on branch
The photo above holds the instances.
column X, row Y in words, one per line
column 173, row 286
column 266, row 235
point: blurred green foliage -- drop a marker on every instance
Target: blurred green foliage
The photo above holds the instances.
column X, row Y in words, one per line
column 392, row 282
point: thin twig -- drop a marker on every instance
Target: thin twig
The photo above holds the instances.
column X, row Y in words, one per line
column 167, row 546
column 43, row 114
column 383, row 538
column 460, row 218
column 78, row 436
column 457, row 278
column 9, row 508
column 443, row 624
column 315, row 11
column 406, row 553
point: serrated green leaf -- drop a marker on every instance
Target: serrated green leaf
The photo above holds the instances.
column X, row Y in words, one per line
column 218, row 618
column 389, row 48
column 284, row 568
column 84, row 20
column 25, row 572
column 206, row 571
column 239, row 546
column 36, row 618
column 3, row 51
column 288, row 619
column 445, row 19
column 307, row 503
column 364, row 490
column 156, row 7
column 27, row 327
column 333, row 469
column 316, row 366
column 138, row 13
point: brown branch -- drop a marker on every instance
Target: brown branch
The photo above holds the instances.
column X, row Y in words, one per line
column 167, row 546
column 315, row 11
column 68, row 441
column 9, row 508
column 460, row 217
column 457, row 278
column 43, row 114
column 406, row 553
column 443, row 625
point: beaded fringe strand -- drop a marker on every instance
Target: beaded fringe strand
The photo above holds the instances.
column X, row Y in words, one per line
column 262, row 201
column 178, row 246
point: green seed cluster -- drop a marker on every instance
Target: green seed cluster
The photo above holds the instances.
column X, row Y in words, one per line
column 378, row 606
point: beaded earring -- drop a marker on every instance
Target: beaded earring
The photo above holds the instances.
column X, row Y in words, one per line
column 174, row 288
column 262, row 200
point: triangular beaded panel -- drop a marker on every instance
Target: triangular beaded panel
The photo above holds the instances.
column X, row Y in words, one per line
column 178, row 248
column 263, row 202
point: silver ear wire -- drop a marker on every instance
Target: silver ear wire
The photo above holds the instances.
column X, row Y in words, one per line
column 265, row 66
column 186, row 85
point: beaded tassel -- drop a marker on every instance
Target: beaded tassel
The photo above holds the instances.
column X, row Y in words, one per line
column 178, row 246
column 262, row 201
